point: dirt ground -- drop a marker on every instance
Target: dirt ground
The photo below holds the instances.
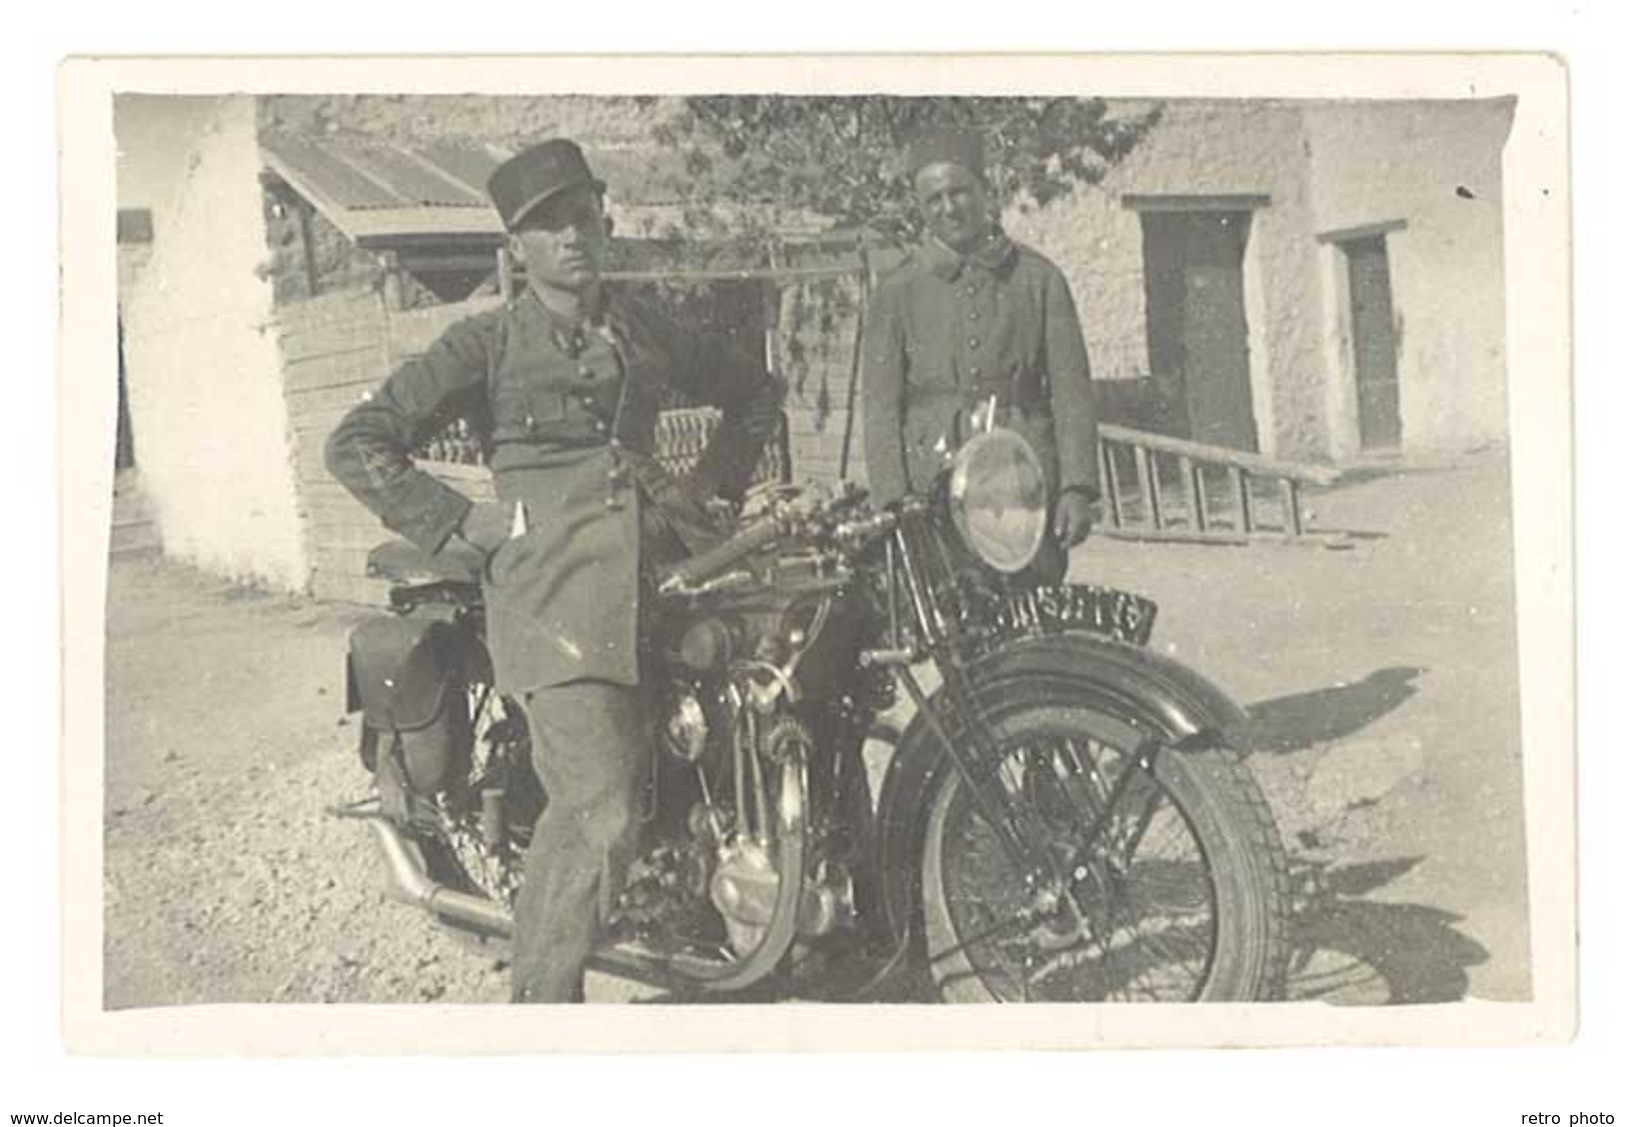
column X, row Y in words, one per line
column 1382, row 679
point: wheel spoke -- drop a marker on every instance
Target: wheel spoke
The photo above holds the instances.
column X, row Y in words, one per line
column 1154, row 944
column 1144, row 916
column 987, row 935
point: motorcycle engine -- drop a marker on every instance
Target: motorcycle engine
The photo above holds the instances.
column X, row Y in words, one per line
column 687, row 731
column 743, row 889
column 780, row 650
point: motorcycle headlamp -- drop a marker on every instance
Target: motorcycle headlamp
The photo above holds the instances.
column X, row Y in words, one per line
column 997, row 499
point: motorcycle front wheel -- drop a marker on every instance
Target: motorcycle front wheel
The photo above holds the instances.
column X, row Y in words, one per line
column 1171, row 878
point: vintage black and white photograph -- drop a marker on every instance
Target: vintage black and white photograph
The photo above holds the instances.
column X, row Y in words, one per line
column 770, row 547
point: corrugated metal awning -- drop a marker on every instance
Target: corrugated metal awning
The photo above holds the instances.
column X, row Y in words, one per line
column 378, row 192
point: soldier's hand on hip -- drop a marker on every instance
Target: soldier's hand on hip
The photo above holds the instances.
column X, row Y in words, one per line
column 1074, row 517
column 460, row 555
column 488, row 525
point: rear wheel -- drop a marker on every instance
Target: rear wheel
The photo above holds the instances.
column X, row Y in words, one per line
column 455, row 851
column 1169, row 879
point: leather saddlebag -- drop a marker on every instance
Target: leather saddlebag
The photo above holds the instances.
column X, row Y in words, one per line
column 407, row 678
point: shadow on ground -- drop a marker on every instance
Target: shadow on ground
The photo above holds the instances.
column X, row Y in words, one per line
column 1357, row 951
column 1346, row 949
column 1294, row 722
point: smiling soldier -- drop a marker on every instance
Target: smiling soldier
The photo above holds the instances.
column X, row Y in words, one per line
column 972, row 315
column 566, row 382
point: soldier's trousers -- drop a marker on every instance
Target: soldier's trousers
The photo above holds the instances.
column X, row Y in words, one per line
column 590, row 745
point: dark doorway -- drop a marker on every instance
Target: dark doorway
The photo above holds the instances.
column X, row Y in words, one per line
column 1376, row 349
column 1196, row 324
column 124, row 440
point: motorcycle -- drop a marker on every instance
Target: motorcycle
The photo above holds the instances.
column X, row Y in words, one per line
column 1064, row 816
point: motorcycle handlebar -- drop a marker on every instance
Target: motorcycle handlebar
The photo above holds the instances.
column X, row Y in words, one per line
column 697, row 569
column 865, row 528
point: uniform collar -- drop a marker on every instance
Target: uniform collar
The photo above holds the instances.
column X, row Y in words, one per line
column 993, row 255
column 552, row 317
column 571, row 335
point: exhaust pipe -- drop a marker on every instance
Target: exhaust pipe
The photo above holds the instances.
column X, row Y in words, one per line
column 409, row 884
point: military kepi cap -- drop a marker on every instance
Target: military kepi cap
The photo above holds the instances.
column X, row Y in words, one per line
column 530, row 178
column 947, row 146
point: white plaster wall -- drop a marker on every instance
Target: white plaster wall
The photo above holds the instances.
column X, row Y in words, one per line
column 205, row 373
column 1382, row 162
column 1205, row 148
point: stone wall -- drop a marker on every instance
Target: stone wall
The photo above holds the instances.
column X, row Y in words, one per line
column 332, row 263
column 336, row 349
column 508, row 120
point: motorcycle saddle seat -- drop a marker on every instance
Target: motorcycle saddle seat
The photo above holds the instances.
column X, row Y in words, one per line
column 401, row 561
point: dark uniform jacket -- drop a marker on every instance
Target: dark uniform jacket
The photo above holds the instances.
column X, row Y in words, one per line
column 944, row 333
column 562, row 598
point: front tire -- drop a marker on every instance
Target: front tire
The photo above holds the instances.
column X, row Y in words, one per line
column 1183, row 895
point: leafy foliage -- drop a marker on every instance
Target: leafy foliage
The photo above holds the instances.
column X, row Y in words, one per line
column 840, row 158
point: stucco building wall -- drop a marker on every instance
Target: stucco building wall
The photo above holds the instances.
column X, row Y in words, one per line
column 1204, row 149
column 1435, row 167
column 205, row 375
column 1326, row 168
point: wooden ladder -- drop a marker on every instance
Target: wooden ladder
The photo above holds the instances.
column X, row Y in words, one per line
column 1158, row 488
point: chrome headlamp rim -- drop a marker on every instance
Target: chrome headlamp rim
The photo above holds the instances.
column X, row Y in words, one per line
column 1033, row 500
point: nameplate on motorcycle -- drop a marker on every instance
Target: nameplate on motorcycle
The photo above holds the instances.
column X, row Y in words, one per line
column 1119, row 615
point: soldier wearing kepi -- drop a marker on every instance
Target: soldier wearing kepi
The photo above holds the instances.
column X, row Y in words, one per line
column 974, row 315
column 566, row 382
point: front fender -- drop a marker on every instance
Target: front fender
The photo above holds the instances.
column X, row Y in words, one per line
column 1192, row 712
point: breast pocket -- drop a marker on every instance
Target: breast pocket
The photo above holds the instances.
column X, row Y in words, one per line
column 546, row 407
column 522, row 404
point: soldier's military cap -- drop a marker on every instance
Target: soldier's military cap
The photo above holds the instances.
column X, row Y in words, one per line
column 535, row 175
column 947, row 146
